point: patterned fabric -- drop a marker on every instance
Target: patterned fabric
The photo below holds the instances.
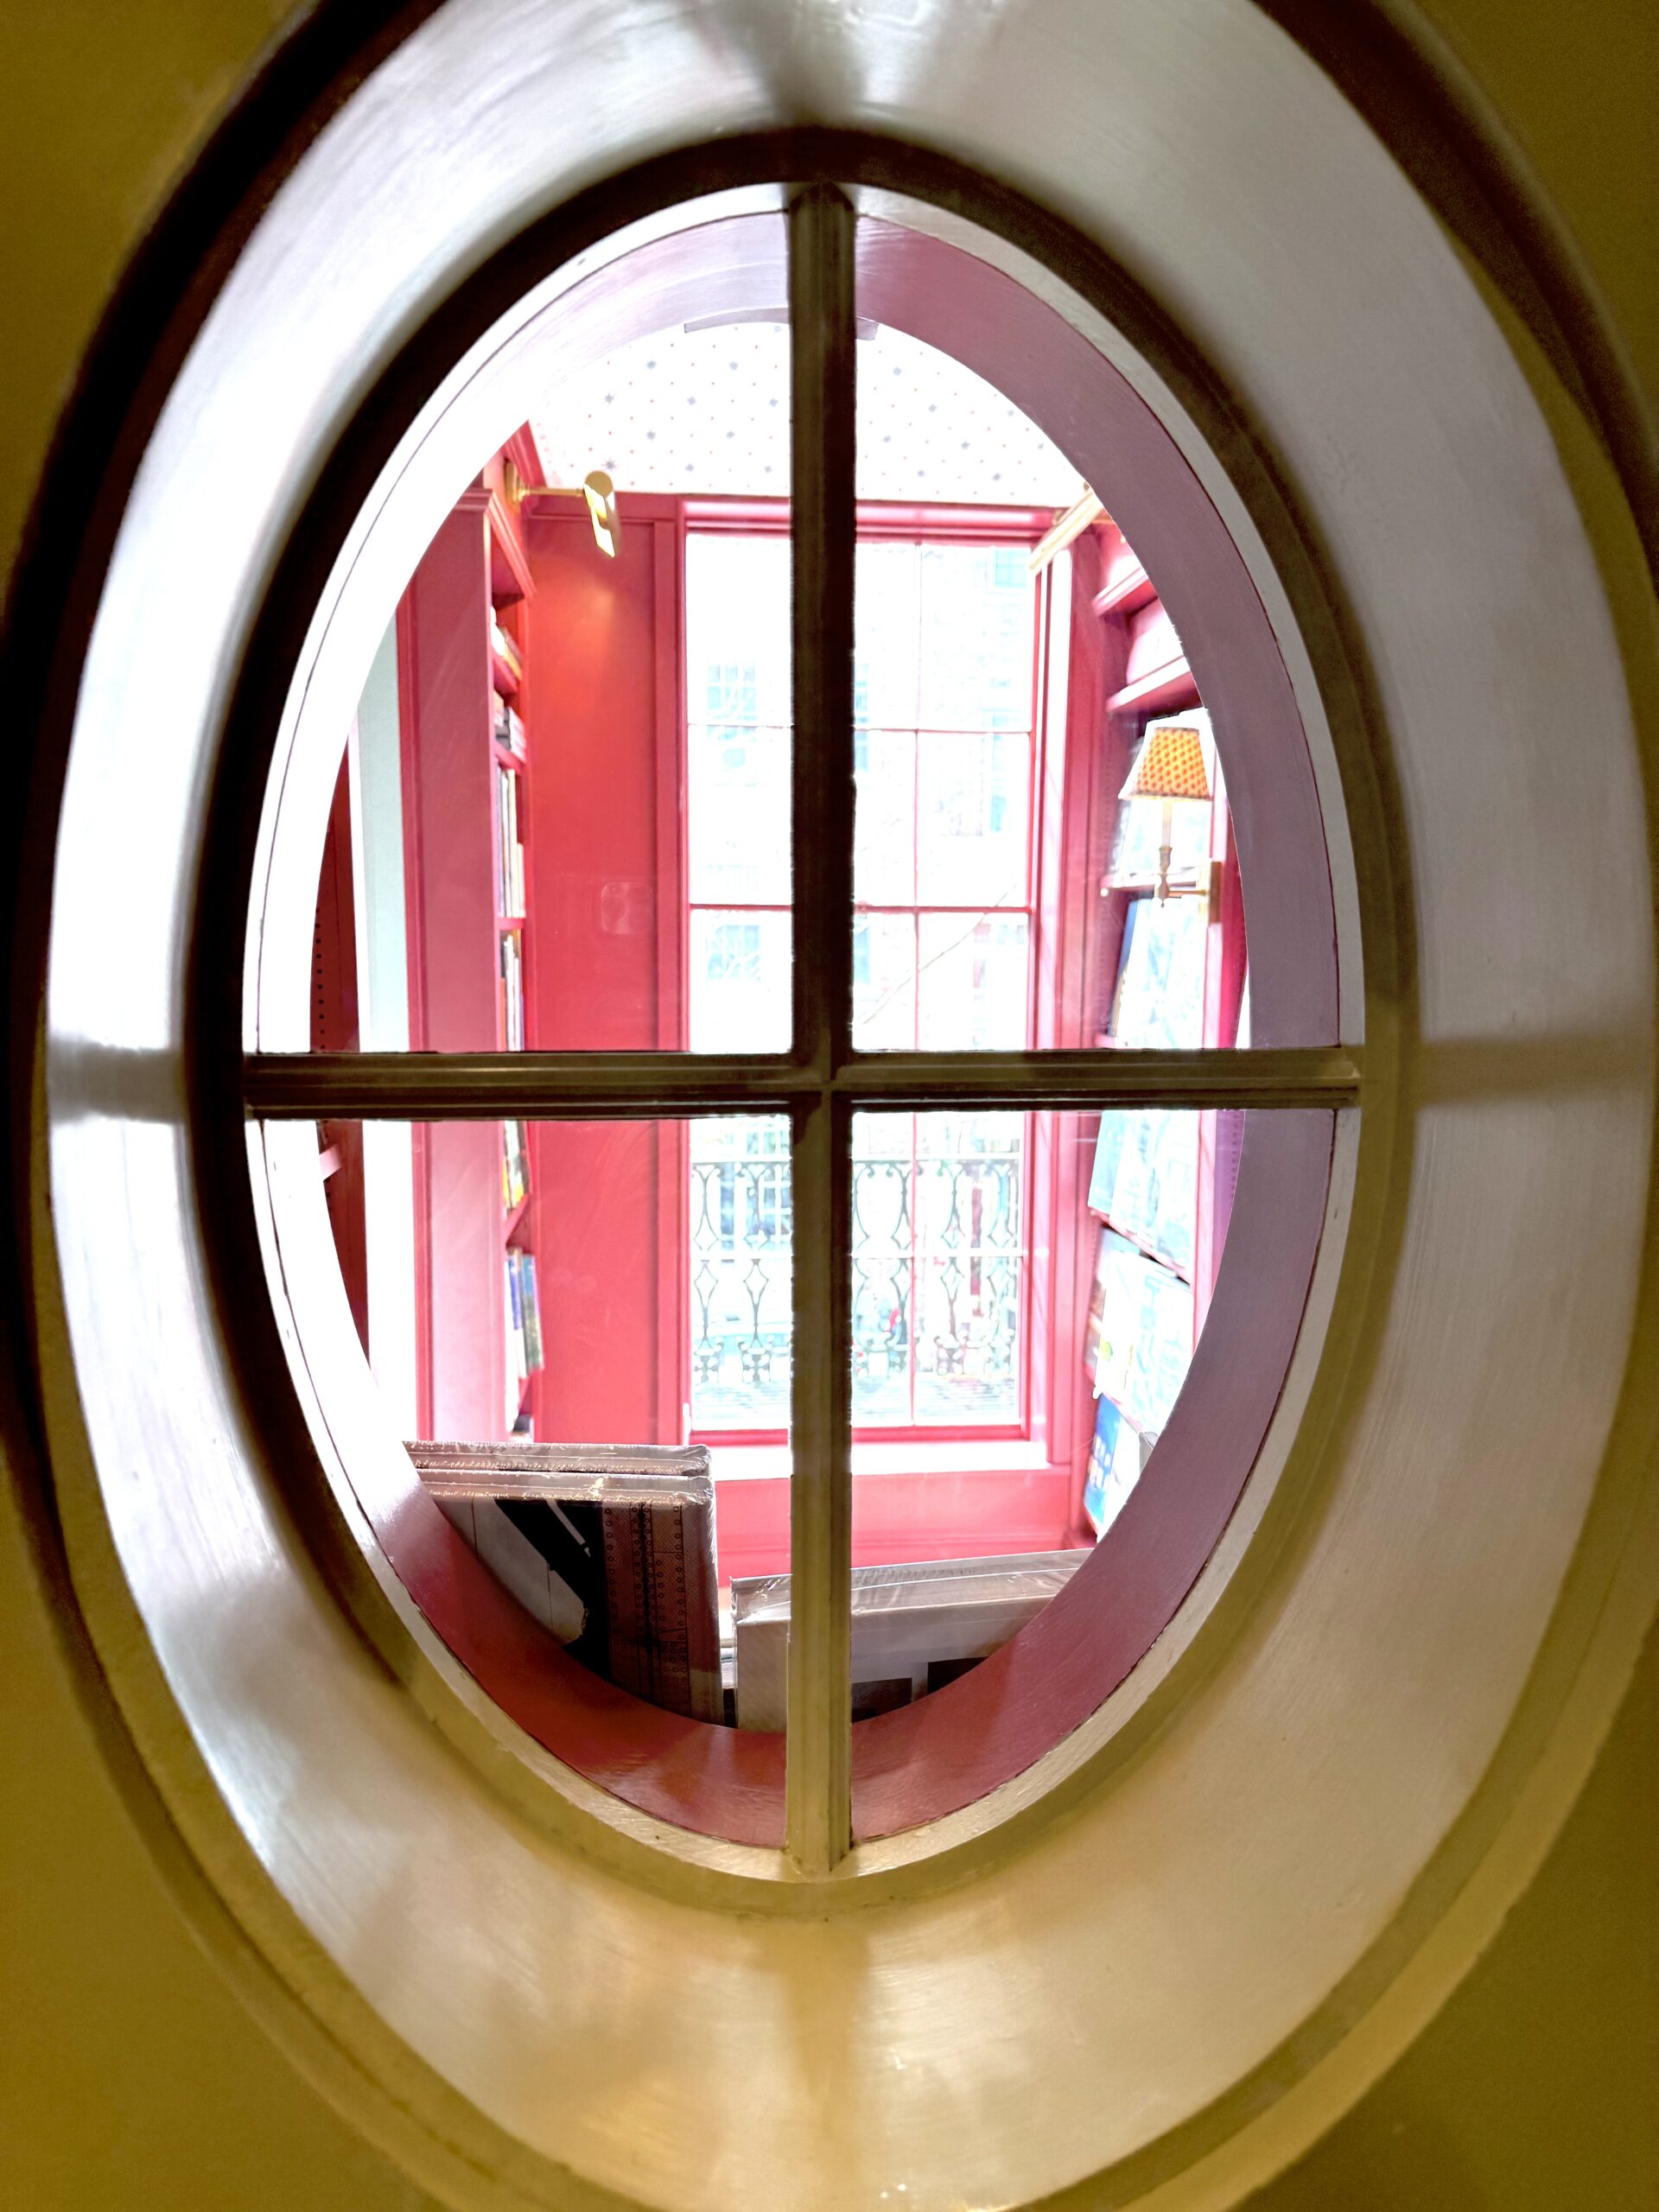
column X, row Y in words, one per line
column 1170, row 763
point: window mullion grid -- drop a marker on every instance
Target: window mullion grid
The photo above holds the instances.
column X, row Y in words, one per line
column 627, row 1086
column 822, row 1081
column 818, row 1778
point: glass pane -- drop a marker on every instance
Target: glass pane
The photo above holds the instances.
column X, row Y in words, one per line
column 570, row 746
column 738, row 719
column 971, row 1266
column 884, row 983
column 887, row 619
column 1159, row 997
column 737, row 599
column 974, row 982
column 1027, row 1290
column 528, row 1288
column 1144, row 1178
column 737, row 784
column 738, row 800
column 1003, row 702
column 974, row 809
column 883, row 1262
column 938, row 1266
column 1160, row 1184
column 738, row 985
column 947, row 636
column 977, row 647
column 741, row 1232
column 1139, row 832
column 884, row 845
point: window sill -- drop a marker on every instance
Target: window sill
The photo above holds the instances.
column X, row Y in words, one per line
column 1001, row 1456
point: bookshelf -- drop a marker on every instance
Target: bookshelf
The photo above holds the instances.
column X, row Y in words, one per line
column 1153, row 1271
column 467, row 769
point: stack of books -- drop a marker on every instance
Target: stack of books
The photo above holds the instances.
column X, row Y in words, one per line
column 510, row 851
column 915, row 1628
column 506, row 727
column 523, row 1318
column 611, row 1547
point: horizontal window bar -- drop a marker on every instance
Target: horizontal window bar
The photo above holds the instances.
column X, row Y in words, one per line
column 1296, row 1076
column 481, row 1086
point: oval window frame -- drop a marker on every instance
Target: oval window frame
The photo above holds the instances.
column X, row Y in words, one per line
column 1020, row 1737
column 1360, row 2014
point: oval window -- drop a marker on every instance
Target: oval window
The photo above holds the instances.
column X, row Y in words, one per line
column 750, row 1104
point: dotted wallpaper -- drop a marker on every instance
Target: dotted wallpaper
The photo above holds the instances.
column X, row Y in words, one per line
column 706, row 411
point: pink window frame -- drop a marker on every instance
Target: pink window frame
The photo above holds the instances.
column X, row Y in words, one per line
column 924, row 522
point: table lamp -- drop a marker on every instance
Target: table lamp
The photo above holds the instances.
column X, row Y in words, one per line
column 1169, row 765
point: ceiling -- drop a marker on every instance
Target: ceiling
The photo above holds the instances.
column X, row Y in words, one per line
column 706, row 411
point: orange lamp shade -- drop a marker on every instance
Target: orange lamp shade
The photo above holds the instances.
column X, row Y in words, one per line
column 1170, row 765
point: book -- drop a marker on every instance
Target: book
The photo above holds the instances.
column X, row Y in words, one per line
column 524, row 1317
column 507, row 725
column 515, row 1165
column 512, row 991
column 518, row 1372
column 1158, row 996
column 610, row 1545
column 510, row 851
column 507, row 652
column 1146, row 1335
column 529, row 1310
column 914, row 1627
column 1117, row 1453
column 1145, row 1180
column 515, row 1308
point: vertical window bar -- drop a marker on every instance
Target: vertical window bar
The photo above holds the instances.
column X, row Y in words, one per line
column 823, row 520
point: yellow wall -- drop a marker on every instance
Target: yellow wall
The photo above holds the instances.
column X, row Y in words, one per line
column 130, row 2077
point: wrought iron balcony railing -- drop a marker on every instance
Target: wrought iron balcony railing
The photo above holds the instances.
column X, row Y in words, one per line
column 938, row 1267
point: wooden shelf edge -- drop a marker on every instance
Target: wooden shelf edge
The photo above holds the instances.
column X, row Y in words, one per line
column 1168, row 686
column 506, row 549
column 1124, row 593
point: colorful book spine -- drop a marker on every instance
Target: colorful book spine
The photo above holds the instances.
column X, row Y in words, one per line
column 524, row 1326
column 515, row 1164
column 512, row 991
column 510, row 851
column 515, row 1377
column 531, row 1311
